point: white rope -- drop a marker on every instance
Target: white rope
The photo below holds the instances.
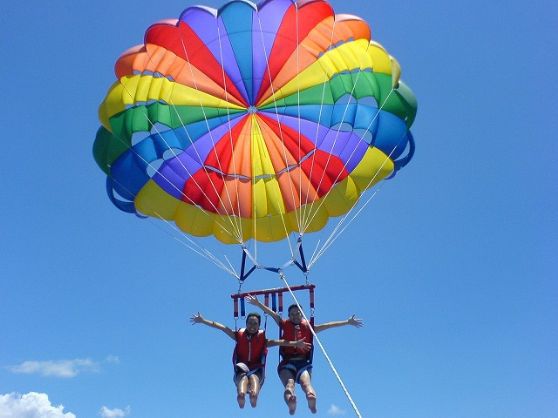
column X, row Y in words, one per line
column 203, row 252
column 230, row 130
column 323, row 199
column 299, row 215
column 330, row 238
column 335, row 372
column 329, row 241
column 175, row 155
column 287, row 236
column 306, row 209
column 237, row 223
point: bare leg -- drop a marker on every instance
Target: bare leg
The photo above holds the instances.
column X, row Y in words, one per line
column 306, row 385
column 241, row 388
column 254, row 389
column 288, row 381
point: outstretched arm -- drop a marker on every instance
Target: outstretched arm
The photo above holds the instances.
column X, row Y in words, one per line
column 298, row 344
column 355, row 322
column 253, row 300
column 199, row 319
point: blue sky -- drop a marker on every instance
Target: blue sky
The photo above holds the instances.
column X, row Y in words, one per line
column 452, row 265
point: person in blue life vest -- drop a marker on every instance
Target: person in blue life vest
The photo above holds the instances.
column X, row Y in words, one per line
column 249, row 354
column 296, row 364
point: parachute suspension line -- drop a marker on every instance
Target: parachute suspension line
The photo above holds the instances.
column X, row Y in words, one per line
column 232, row 220
column 355, row 82
column 148, row 163
column 204, row 252
column 253, row 206
column 280, row 127
column 235, row 304
column 299, row 156
column 230, row 131
column 192, row 246
column 237, row 225
column 330, row 239
column 308, row 211
column 331, row 149
column 351, row 155
column 226, row 230
column 322, row 348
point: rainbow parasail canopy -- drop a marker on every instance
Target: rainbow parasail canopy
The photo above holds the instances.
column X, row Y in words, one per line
column 253, row 121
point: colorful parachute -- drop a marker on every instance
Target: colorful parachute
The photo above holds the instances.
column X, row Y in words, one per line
column 253, row 121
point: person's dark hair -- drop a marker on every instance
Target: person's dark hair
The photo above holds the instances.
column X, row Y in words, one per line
column 255, row 315
column 294, row 305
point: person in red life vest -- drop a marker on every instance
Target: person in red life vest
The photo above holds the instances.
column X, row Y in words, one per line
column 296, row 365
column 249, row 354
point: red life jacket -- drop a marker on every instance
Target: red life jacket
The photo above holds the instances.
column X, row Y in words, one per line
column 292, row 332
column 250, row 349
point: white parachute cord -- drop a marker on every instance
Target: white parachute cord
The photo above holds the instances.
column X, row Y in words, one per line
column 331, row 237
column 230, row 219
column 306, row 212
column 203, row 252
column 323, row 198
column 322, row 348
column 280, row 131
column 299, row 213
column 162, row 176
column 314, row 252
column 230, row 134
column 131, row 148
column 282, row 138
column 237, row 223
column 232, row 268
column 347, row 106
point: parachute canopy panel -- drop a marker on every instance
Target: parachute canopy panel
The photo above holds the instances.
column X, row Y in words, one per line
column 254, row 121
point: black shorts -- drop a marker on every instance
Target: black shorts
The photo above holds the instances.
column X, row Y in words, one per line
column 241, row 370
column 296, row 367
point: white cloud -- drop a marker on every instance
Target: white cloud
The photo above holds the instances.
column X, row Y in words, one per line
column 60, row 368
column 335, row 411
column 30, row 405
column 112, row 359
column 114, row 413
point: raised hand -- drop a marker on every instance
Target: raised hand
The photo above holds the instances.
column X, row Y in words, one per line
column 355, row 322
column 196, row 319
column 252, row 300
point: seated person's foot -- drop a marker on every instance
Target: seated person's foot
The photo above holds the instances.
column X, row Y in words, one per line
column 241, row 400
column 311, row 398
column 290, row 399
column 253, row 400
